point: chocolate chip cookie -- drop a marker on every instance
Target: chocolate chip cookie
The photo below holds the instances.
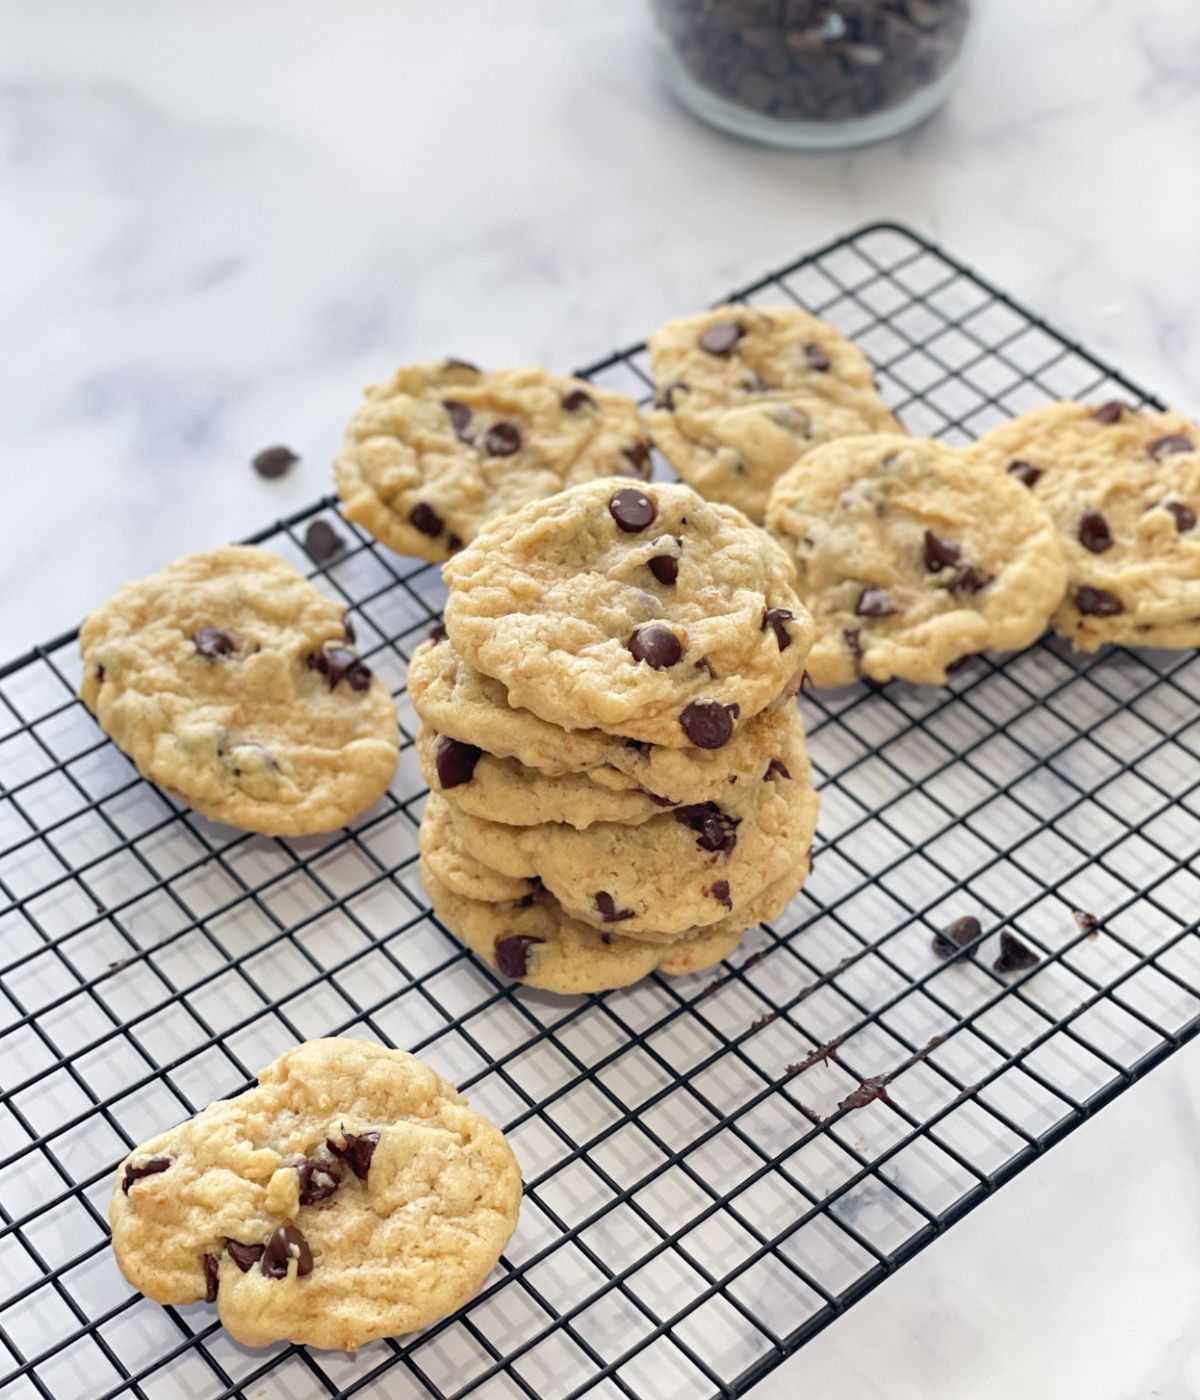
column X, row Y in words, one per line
column 1123, row 486
column 438, row 450
column 233, row 683
column 686, row 868
column 910, row 555
column 744, row 391
column 644, row 611
column 351, row 1195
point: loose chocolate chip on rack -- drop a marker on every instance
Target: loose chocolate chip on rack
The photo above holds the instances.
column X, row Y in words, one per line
column 278, row 1253
column 777, row 767
column 453, row 362
column 577, row 399
column 632, row 509
column 664, row 567
column 423, row 517
column 1167, row 446
column 437, row 633
column 1185, row 519
column 715, row 830
column 854, row 642
column 1094, row 533
column 318, row 1181
column 1097, row 602
column 211, row 1282
column 719, row 890
column 608, row 910
column 151, row 1168
column 337, row 663
column 1088, row 923
column 273, row 461
column 957, row 935
column 665, row 398
column 502, row 439
column 1111, row 412
column 721, row 338
column 1015, row 956
column 777, row 619
column 874, row 602
column 460, row 418
column 357, row 1151
column 939, row 554
column 512, row 954
column 639, row 454
column 456, row 762
column 816, row 358
column 212, row 642
column 968, row 579
column 1025, row 472
column 656, row 645
column 708, row 723
column 322, row 541
column 245, row 1256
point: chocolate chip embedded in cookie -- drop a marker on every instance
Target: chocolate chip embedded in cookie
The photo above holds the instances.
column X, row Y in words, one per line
column 1123, row 487
column 438, row 450
column 352, row 1194
column 910, row 556
column 559, row 603
column 230, row 681
column 746, row 390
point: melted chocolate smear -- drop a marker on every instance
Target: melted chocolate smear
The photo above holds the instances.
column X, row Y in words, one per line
column 456, row 762
column 1185, row 519
column 716, row 831
column 338, row 663
column 777, row 619
column 939, row 554
column 278, row 1253
column 272, row 462
column 777, row 767
column 719, row 890
column 1015, row 956
column 855, row 645
column 659, row 801
column 632, row 509
column 143, row 1169
column 502, row 439
column 608, row 910
column 1111, row 412
column 874, row 602
column 577, row 399
column 357, row 1152
column 867, row 1092
column 1025, row 472
column 721, row 338
column 956, row 935
column 318, row 1181
column 1168, row 446
column 1094, row 533
column 1097, row 602
column 322, row 541
column 211, row 1281
column 708, row 723
column 212, row 642
column 245, row 1256
column 512, row 954
column 348, row 630
column 656, row 645
column 423, row 517
column 816, row 358
column 460, row 417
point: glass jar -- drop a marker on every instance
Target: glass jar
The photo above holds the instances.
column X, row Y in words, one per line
column 812, row 74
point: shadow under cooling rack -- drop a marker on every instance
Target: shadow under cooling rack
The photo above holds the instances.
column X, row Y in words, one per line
column 715, row 1166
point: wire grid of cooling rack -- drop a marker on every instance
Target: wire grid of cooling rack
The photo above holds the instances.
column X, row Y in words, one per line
column 697, row 1203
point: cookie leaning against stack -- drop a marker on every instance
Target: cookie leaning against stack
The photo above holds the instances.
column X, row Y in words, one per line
column 618, row 779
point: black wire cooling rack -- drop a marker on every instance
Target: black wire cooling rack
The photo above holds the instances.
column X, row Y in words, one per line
column 716, row 1166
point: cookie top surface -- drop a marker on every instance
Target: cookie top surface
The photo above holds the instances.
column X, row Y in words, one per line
column 644, row 611
column 911, row 557
column 230, row 680
column 684, row 869
column 438, row 450
column 1123, row 486
column 398, row 1196
column 744, row 391
column 522, row 756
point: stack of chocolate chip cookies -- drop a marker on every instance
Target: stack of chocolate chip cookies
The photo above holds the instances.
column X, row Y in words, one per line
column 617, row 767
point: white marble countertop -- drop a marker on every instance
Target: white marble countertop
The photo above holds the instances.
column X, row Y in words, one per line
column 219, row 221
